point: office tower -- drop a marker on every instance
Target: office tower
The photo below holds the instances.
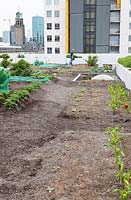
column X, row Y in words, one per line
column 12, row 35
column 38, row 29
column 19, row 30
column 6, row 36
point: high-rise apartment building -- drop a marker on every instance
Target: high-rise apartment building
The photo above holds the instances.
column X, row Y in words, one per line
column 38, row 29
column 88, row 26
column 93, row 26
column 19, row 30
column 54, row 22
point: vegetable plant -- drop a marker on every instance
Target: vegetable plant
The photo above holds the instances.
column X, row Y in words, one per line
column 124, row 177
column 20, row 95
column 119, row 96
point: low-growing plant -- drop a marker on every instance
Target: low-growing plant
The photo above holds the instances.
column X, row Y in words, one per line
column 92, row 60
column 22, row 68
column 20, row 95
column 43, row 75
column 125, row 61
column 119, row 96
column 3, row 95
column 124, row 177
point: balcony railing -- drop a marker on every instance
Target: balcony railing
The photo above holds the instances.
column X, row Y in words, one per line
column 115, row 19
column 114, row 43
column 114, row 7
column 114, row 31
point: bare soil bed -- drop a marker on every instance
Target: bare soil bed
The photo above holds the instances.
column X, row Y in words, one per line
column 53, row 148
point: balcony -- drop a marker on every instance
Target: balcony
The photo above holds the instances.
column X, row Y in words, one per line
column 114, row 7
column 114, row 31
column 114, row 43
column 115, row 19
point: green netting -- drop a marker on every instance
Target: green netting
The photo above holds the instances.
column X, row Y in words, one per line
column 46, row 65
column 28, row 79
column 4, row 79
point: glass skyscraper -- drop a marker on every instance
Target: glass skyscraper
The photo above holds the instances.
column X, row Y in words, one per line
column 38, row 29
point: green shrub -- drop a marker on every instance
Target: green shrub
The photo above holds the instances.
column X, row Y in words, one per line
column 92, row 60
column 22, row 68
column 6, row 61
column 125, row 61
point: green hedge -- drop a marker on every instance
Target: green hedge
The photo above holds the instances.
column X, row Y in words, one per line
column 125, row 61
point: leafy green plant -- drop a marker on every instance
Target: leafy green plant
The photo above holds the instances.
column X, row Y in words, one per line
column 92, row 60
column 124, row 177
column 21, row 68
column 6, row 61
column 20, row 95
column 119, row 96
column 43, row 75
column 125, row 61
column 3, row 95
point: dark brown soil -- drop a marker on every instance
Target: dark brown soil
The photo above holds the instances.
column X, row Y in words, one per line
column 53, row 148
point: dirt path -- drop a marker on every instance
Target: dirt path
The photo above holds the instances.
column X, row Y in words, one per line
column 49, row 152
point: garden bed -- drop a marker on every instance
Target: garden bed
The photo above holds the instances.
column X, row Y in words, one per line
column 53, row 149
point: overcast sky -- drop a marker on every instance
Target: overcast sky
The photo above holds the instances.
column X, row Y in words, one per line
column 29, row 8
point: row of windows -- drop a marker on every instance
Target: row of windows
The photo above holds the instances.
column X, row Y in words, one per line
column 49, row 38
column 49, row 13
column 89, row 1
column 49, row 26
column 49, row 50
column 50, row 2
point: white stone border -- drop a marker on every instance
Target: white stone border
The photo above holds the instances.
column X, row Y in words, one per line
column 125, row 75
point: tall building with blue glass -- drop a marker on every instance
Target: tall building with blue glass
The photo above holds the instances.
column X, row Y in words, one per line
column 38, row 29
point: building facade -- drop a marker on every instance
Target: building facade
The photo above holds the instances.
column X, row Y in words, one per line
column 54, row 30
column 6, row 37
column 38, row 29
column 98, row 26
column 12, row 35
column 125, row 28
column 88, row 26
column 19, row 30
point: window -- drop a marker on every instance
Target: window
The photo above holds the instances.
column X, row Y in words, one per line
column 49, row 50
column 130, row 1
column 57, row 38
column 57, row 50
column 129, row 38
column 49, row 38
column 56, row 2
column 129, row 49
column 49, row 26
column 57, row 13
column 130, row 13
column 49, row 13
column 57, row 26
column 48, row 2
column 129, row 25
column 89, row 2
